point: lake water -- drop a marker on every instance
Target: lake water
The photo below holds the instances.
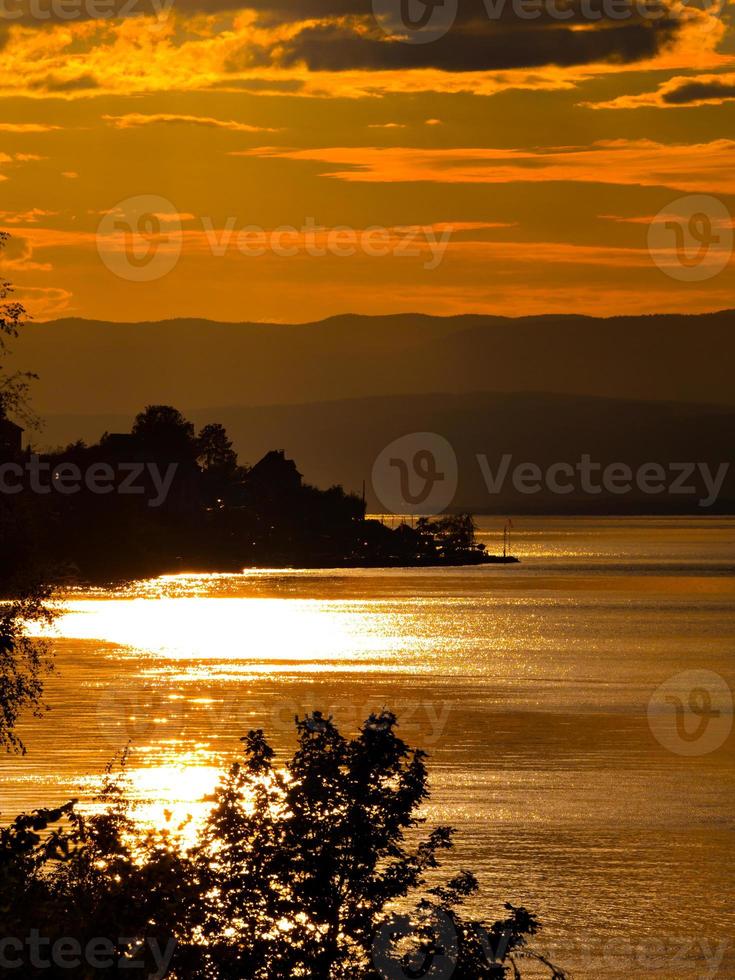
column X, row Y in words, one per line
column 576, row 787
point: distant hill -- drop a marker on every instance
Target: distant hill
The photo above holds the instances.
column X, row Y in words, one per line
column 108, row 368
column 337, row 442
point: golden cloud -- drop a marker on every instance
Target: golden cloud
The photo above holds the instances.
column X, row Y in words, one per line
column 679, row 92
column 689, row 167
column 136, row 119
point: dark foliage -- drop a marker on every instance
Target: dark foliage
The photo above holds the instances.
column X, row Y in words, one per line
column 14, row 386
column 24, row 661
column 213, row 514
column 315, row 869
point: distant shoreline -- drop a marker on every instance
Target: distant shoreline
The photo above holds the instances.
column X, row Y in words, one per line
column 130, row 575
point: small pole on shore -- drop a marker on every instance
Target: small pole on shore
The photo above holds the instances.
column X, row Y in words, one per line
column 506, row 537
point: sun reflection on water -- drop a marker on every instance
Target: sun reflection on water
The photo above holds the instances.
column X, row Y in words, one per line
column 283, row 630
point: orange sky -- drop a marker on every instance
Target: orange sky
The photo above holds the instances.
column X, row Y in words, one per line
column 289, row 163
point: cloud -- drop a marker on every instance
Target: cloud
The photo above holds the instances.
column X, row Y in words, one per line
column 27, row 127
column 697, row 93
column 647, row 219
column 13, row 159
column 266, row 86
column 323, row 51
column 31, row 217
column 78, row 83
column 18, row 256
column 676, row 93
column 135, row 119
column 688, row 167
column 478, row 46
column 45, row 303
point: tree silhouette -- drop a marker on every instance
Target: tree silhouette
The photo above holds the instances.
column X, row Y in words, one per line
column 14, row 386
column 24, row 661
column 214, row 449
column 303, row 864
column 163, row 431
column 318, row 847
column 218, row 462
column 449, row 537
column 314, row 869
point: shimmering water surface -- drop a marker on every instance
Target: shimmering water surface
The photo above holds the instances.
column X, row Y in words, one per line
column 529, row 685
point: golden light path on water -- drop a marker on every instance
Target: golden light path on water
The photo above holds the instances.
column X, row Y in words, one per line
column 287, row 631
column 202, row 637
column 529, row 687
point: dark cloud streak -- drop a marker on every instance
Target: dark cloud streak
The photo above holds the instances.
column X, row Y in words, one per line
column 485, row 47
column 692, row 92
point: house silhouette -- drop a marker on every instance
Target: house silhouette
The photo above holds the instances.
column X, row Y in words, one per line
column 11, row 437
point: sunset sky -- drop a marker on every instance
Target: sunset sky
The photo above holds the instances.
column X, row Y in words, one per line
column 537, row 149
